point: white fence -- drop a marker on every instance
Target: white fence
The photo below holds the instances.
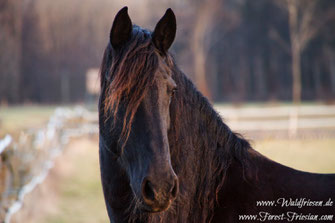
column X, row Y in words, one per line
column 278, row 117
column 5, row 143
column 26, row 162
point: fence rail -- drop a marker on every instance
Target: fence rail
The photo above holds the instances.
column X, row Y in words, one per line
column 278, row 118
column 275, row 112
column 5, row 142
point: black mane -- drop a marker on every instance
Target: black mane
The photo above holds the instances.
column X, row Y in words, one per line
column 202, row 149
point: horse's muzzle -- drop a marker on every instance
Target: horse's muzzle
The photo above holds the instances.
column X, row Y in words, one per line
column 158, row 195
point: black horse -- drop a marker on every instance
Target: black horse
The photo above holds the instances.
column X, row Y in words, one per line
column 167, row 156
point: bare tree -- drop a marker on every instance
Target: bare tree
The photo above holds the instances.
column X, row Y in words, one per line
column 305, row 23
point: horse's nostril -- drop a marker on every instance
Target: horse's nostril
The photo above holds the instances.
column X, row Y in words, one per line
column 148, row 190
column 160, row 194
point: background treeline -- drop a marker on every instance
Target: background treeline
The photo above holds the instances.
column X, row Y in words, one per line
column 235, row 50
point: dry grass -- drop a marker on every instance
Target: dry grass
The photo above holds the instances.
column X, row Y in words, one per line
column 313, row 155
column 79, row 192
column 14, row 119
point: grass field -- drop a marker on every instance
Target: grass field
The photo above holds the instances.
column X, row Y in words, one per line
column 313, row 155
column 79, row 192
column 13, row 119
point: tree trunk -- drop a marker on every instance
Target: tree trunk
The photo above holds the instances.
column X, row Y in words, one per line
column 296, row 72
column 295, row 50
column 296, row 69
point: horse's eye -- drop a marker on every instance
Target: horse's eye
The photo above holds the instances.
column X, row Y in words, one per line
column 173, row 91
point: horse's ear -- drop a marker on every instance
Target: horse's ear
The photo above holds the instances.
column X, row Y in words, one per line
column 165, row 31
column 121, row 29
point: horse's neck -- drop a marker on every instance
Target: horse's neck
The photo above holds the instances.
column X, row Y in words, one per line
column 195, row 140
column 207, row 154
column 268, row 180
column 202, row 137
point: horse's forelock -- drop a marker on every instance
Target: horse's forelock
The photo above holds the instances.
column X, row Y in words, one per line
column 131, row 72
